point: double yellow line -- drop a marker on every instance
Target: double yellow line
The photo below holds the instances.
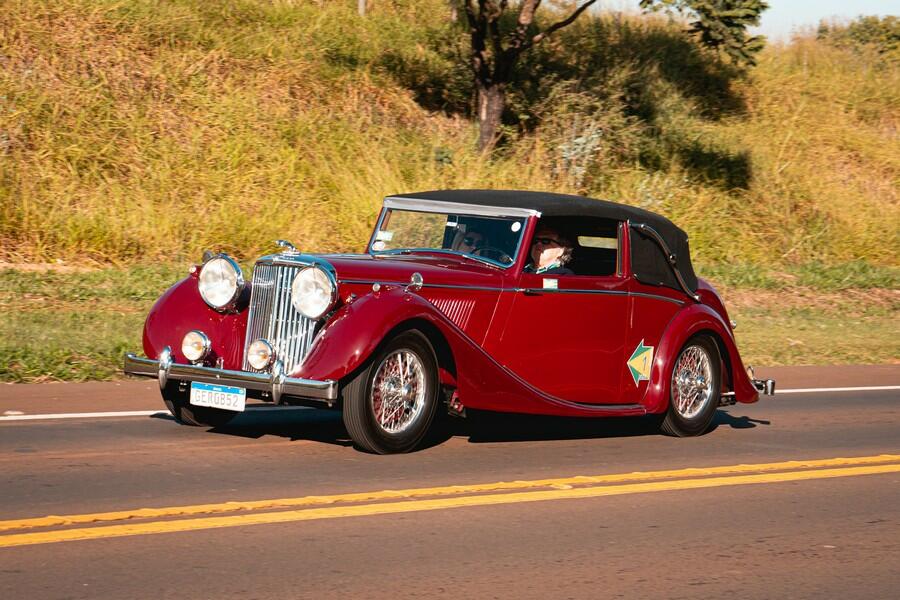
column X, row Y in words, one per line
column 188, row 518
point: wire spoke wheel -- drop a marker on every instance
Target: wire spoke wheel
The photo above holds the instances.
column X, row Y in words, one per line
column 390, row 404
column 694, row 388
column 398, row 391
column 691, row 388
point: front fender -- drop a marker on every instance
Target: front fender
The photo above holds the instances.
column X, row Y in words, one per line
column 356, row 329
column 181, row 309
column 687, row 323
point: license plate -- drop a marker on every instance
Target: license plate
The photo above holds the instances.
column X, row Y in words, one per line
column 218, row 396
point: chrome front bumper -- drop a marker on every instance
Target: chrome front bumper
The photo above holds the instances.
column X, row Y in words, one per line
column 276, row 383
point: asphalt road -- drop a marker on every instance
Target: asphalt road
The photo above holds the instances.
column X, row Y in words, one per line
column 494, row 508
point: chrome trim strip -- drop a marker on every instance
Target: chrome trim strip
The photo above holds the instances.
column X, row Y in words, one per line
column 558, row 291
column 606, row 292
column 437, row 206
column 656, row 297
column 670, row 256
column 533, row 290
column 622, row 407
column 276, row 384
column 424, row 285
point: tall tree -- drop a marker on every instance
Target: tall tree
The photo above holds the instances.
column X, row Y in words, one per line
column 497, row 42
column 495, row 53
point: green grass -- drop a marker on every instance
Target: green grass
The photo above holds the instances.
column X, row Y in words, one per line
column 78, row 326
column 819, row 276
column 75, row 326
column 769, row 336
column 66, row 345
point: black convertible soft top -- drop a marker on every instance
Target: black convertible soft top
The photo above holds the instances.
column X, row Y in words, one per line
column 649, row 262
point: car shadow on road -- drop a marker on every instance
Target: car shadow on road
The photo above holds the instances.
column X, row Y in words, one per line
column 725, row 418
column 482, row 427
column 294, row 424
column 326, row 426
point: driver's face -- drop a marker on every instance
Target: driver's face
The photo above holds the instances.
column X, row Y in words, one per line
column 471, row 241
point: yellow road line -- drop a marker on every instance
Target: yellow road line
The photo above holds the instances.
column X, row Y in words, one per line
column 199, row 509
column 335, row 512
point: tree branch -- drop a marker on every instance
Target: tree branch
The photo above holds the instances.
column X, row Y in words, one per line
column 558, row 25
column 524, row 21
column 478, row 32
column 493, row 22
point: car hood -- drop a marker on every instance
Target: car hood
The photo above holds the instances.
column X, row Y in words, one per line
column 435, row 269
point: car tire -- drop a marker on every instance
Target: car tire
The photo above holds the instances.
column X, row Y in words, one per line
column 389, row 406
column 694, row 388
column 178, row 403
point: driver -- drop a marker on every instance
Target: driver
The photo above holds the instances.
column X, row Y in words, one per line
column 550, row 251
column 470, row 241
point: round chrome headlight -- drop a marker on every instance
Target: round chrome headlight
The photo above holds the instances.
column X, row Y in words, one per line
column 260, row 354
column 195, row 346
column 313, row 292
column 221, row 282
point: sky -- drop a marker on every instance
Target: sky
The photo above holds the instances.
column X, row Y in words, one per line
column 785, row 16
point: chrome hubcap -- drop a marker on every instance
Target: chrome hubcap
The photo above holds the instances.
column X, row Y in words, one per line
column 691, row 389
column 398, row 391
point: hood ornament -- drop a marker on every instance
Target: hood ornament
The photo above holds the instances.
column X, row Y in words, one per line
column 288, row 247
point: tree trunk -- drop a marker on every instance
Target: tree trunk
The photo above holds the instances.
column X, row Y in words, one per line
column 491, row 102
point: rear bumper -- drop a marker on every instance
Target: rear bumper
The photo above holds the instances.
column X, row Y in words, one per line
column 764, row 386
column 276, row 383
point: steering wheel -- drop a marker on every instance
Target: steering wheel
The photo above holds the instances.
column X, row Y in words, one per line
column 493, row 253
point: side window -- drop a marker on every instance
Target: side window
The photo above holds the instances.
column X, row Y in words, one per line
column 596, row 250
column 594, row 245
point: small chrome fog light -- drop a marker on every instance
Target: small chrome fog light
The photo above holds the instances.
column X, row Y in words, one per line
column 260, row 354
column 195, row 346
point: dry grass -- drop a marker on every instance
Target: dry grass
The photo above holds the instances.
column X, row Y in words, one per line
column 133, row 130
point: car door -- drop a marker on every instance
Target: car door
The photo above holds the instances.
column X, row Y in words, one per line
column 565, row 335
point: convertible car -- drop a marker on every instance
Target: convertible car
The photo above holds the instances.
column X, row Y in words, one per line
column 454, row 306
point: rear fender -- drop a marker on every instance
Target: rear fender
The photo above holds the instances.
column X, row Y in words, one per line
column 688, row 322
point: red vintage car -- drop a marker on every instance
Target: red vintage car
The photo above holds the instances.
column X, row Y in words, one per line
column 508, row 301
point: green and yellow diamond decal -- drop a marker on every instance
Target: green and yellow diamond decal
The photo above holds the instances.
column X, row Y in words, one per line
column 640, row 362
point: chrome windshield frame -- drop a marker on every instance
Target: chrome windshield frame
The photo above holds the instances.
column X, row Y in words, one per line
column 451, row 208
column 476, row 210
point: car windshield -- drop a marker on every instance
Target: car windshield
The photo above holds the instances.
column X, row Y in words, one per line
column 493, row 240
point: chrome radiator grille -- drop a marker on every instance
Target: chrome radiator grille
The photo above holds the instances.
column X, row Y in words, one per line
column 274, row 318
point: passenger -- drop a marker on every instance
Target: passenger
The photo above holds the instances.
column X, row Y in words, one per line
column 550, row 251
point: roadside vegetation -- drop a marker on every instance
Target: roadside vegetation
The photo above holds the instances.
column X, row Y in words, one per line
column 134, row 134
column 70, row 324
